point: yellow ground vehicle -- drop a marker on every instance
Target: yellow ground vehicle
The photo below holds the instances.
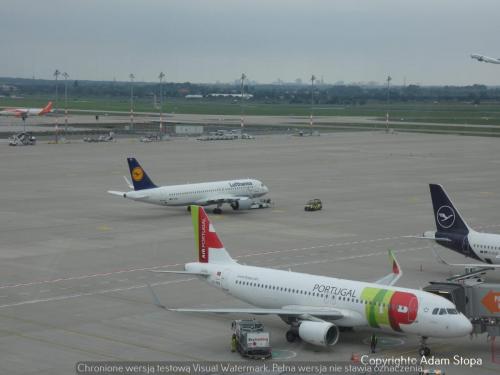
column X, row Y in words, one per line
column 313, row 205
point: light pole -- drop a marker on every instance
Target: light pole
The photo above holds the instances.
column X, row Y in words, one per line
column 66, row 76
column 242, row 121
column 387, row 113
column 313, row 78
column 131, row 76
column 57, row 73
column 161, row 76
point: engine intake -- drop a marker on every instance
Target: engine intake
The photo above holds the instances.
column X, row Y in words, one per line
column 319, row 333
column 242, row 204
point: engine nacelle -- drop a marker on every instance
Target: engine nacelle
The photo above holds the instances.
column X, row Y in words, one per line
column 242, row 204
column 319, row 333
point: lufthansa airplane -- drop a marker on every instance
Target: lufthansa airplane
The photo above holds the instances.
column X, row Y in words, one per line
column 25, row 112
column 239, row 194
column 454, row 233
column 316, row 307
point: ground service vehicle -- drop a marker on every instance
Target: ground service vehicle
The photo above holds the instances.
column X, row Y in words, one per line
column 313, row 205
column 249, row 339
column 22, row 139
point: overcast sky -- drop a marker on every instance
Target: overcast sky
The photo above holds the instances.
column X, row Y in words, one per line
column 426, row 41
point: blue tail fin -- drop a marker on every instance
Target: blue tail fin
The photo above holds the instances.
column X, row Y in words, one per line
column 140, row 179
column 447, row 217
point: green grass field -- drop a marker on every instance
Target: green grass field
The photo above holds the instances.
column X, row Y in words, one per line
column 445, row 113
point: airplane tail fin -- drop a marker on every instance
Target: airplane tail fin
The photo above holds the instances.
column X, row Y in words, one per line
column 210, row 247
column 46, row 109
column 140, row 179
column 447, row 217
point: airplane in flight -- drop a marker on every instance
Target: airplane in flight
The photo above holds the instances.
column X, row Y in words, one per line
column 318, row 307
column 25, row 112
column 486, row 59
column 239, row 194
column 453, row 232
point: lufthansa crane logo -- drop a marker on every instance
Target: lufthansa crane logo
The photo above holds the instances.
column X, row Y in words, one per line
column 137, row 174
column 445, row 216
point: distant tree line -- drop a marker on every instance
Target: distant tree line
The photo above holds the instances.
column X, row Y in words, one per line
column 270, row 93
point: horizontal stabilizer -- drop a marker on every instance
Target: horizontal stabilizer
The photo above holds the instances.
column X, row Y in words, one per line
column 117, row 193
column 430, row 235
column 183, row 272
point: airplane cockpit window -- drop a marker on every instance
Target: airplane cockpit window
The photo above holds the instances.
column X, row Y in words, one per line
column 452, row 311
column 435, row 311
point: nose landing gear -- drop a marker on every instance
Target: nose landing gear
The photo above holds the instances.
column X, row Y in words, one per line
column 424, row 350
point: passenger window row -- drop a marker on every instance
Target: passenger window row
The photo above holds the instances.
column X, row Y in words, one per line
column 197, row 192
column 489, row 247
column 313, row 294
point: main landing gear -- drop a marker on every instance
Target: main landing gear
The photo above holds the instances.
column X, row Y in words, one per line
column 217, row 210
column 291, row 335
column 424, row 350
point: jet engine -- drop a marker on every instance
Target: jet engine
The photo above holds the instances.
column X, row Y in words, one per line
column 319, row 333
column 242, row 204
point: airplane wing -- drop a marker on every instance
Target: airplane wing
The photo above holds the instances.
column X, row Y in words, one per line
column 394, row 276
column 479, row 265
column 303, row 312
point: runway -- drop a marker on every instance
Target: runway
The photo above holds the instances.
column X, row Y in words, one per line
column 75, row 261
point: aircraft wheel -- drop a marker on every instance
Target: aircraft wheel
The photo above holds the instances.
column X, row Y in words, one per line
column 217, row 211
column 291, row 336
column 188, row 208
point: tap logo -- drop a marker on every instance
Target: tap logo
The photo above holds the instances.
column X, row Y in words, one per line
column 445, row 216
column 137, row 174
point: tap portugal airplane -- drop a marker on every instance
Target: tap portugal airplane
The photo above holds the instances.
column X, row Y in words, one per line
column 316, row 307
column 239, row 194
column 25, row 112
column 453, row 232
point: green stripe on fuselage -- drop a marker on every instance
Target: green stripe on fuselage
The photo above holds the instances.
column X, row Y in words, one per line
column 196, row 228
column 377, row 310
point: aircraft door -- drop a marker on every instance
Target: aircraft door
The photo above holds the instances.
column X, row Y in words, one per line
column 412, row 309
column 225, row 279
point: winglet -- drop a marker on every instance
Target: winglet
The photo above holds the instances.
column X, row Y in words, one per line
column 156, row 300
column 127, row 181
column 396, row 272
column 396, row 269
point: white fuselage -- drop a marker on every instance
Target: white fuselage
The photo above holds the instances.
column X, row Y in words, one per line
column 201, row 194
column 21, row 112
column 486, row 246
column 487, row 59
column 372, row 305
